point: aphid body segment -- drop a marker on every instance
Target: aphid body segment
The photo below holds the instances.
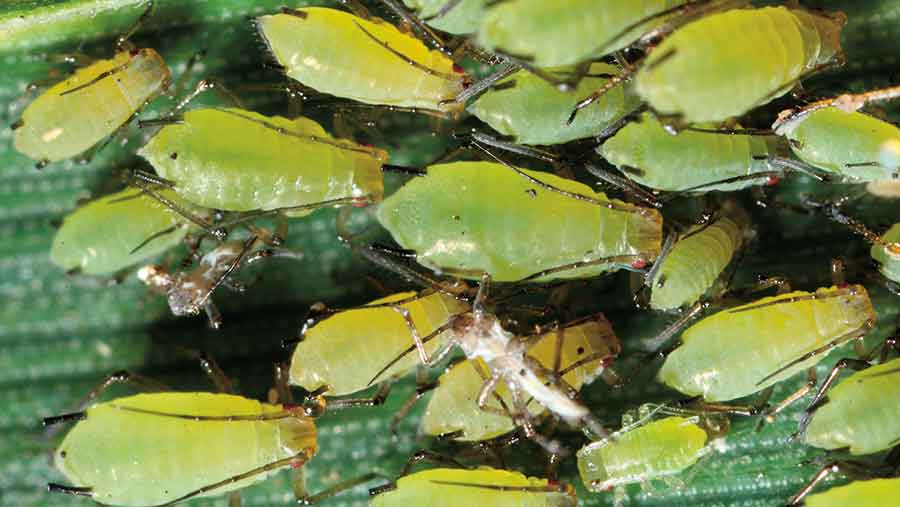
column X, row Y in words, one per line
column 696, row 260
column 887, row 253
column 533, row 111
column 79, row 112
column 361, row 67
column 347, row 350
column 463, row 18
column 725, row 64
column 860, row 412
column 452, row 487
column 851, row 144
column 99, row 237
column 565, row 32
column 153, row 449
column 658, row 449
column 771, row 339
column 873, row 493
column 453, row 406
column 237, row 160
column 467, row 218
column 691, row 160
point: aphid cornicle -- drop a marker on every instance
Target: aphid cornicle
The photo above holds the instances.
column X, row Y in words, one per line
column 565, row 32
column 237, row 160
column 772, row 339
column 581, row 350
column 463, row 17
column 90, row 105
column 533, row 111
column 345, row 352
column 375, row 63
column 871, row 493
column 688, row 162
column 112, row 233
column 468, row 218
column 725, row 64
column 450, row 487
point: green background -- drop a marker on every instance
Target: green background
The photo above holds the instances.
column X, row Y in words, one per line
column 59, row 336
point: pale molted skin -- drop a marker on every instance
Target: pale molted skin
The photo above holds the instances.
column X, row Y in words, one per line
column 59, row 125
column 464, row 18
column 860, row 412
column 345, row 351
column 727, row 355
column 359, row 68
column 888, row 256
column 237, row 160
column 429, row 488
column 535, row 112
column 467, row 218
column 851, row 144
column 660, row 448
column 649, row 155
column 98, row 238
column 873, row 493
column 133, row 458
column 726, row 64
column 453, row 405
column 564, row 32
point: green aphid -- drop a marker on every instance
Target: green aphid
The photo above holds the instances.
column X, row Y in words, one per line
column 533, row 111
column 463, row 17
column 872, row 493
column 887, row 253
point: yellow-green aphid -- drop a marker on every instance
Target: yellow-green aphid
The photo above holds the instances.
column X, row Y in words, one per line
column 689, row 161
column 860, row 413
column 467, row 218
column 770, row 340
column 533, row 111
column 100, row 237
column 161, row 448
column 374, row 63
column 453, row 487
column 726, row 64
column 91, row 104
column 346, row 351
column 887, row 253
column 696, row 261
column 565, row 32
column 453, row 407
column 237, row 160
column 462, row 18
column 873, row 493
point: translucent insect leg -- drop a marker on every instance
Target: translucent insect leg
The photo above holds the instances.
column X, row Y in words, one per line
column 203, row 86
column 375, row 400
column 660, row 340
column 564, row 85
column 122, row 43
column 377, row 255
column 625, row 76
column 423, row 386
column 853, row 469
column 211, row 368
column 435, row 358
column 53, row 487
column 697, row 404
column 518, row 149
column 338, row 488
column 768, row 416
column 480, row 86
column 819, row 398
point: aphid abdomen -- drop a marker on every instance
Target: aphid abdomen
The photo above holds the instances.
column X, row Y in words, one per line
column 861, row 412
column 762, row 337
column 134, row 458
column 853, row 145
column 726, row 64
column 871, row 493
column 656, row 449
column 474, row 217
column 684, row 161
column 359, row 68
column 535, row 112
column 99, row 237
column 59, row 125
column 694, row 263
column 888, row 255
column 462, row 19
column 345, row 351
column 238, row 160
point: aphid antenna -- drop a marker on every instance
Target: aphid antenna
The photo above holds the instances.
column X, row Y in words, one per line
column 475, row 137
column 122, row 43
column 404, row 169
column 788, row 165
column 417, row 25
column 424, row 68
column 141, row 181
column 478, row 87
column 64, row 418
column 856, row 334
column 847, row 102
column 611, row 83
column 624, row 184
column 205, row 85
column 53, row 487
column 379, row 256
column 152, row 237
column 833, row 211
column 853, row 469
column 525, row 63
column 188, row 69
column 103, row 75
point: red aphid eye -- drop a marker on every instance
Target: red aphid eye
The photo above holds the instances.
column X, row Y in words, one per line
column 772, row 180
column 134, row 52
column 296, row 464
column 639, row 263
column 458, row 69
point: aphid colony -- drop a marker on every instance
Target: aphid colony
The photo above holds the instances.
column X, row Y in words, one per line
column 654, row 88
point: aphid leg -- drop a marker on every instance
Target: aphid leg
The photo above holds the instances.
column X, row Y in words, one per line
column 188, row 69
column 424, row 455
column 213, row 315
column 122, row 43
column 211, row 368
column 483, row 84
column 624, row 184
column 373, row 401
column 338, row 488
column 416, row 24
column 564, row 85
column 653, row 345
column 203, row 86
column 423, row 386
column 850, row 468
column 768, row 416
column 597, row 95
column 511, row 147
column 819, row 399
column 856, row 334
column 53, row 487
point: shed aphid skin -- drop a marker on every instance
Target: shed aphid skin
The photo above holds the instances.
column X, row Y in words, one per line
column 655, row 443
column 458, row 17
column 868, row 493
column 187, row 292
column 724, row 65
column 576, row 353
column 117, row 231
column 467, row 218
column 834, row 136
column 375, row 63
column 532, row 111
column 771, row 339
column 237, row 160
